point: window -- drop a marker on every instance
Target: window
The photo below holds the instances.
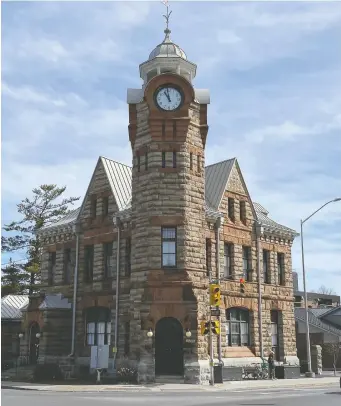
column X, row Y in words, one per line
column 163, row 159
column 128, row 257
column 174, row 159
column 266, row 270
column 67, row 266
column 105, row 205
column 108, row 258
column 198, row 163
column 126, row 338
column 138, row 163
column 88, row 263
column 237, row 327
column 208, row 256
column 168, row 247
column 146, row 161
column 93, row 209
column 98, row 326
column 274, row 333
column 242, row 211
column 228, row 250
column 280, row 268
column 191, row 161
column 247, row 271
column 51, row 268
column 230, row 204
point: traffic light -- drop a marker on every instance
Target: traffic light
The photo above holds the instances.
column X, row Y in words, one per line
column 215, row 325
column 205, row 327
column 215, row 299
column 242, row 285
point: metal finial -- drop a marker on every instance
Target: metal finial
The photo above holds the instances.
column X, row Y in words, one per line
column 167, row 31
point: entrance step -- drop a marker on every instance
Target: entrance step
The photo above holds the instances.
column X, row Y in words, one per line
column 169, row 379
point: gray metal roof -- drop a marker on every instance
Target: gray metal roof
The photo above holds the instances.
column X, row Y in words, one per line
column 216, row 177
column 11, row 306
column 166, row 49
column 315, row 320
column 68, row 220
column 119, row 176
column 55, row 302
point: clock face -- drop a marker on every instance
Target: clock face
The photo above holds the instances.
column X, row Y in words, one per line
column 168, row 98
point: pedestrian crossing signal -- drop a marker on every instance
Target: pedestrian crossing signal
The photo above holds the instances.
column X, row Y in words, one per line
column 215, row 299
column 215, row 325
column 204, row 327
column 242, row 285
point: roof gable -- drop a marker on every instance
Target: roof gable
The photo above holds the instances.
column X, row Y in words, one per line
column 119, row 178
column 216, row 178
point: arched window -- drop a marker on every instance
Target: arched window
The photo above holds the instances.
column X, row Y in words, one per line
column 238, row 327
column 98, row 326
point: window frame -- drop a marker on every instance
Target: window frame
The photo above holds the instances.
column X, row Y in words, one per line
column 274, row 324
column 191, row 160
column 281, row 268
column 266, row 267
column 163, row 159
column 97, row 316
column 138, row 162
column 198, row 163
column 107, row 248
column 231, row 208
column 242, row 211
column 128, row 256
column 238, row 321
column 163, row 240
column 174, row 159
column 67, row 265
column 105, row 206
column 146, row 161
column 51, row 267
column 93, row 208
column 228, row 254
column 248, row 258
column 89, row 266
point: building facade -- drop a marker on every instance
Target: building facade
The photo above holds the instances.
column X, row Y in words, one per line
column 131, row 267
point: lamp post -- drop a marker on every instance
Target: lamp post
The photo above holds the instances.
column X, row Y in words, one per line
column 309, row 373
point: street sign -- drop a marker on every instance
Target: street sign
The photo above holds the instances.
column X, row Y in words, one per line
column 215, row 312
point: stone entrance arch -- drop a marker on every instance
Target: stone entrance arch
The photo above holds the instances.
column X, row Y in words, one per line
column 33, row 342
column 169, row 354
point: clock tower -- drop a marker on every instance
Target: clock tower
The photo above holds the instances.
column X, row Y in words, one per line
column 167, row 132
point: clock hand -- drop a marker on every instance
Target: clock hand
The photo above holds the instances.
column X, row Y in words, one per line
column 167, row 95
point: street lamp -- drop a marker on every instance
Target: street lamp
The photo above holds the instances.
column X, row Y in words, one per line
column 188, row 333
column 309, row 373
column 150, row 333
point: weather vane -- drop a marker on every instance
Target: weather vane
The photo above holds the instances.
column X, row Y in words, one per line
column 167, row 15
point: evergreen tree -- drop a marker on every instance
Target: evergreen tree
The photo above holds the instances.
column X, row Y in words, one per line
column 14, row 280
column 44, row 208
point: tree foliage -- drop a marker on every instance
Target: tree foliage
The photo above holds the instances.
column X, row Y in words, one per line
column 14, row 279
column 45, row 207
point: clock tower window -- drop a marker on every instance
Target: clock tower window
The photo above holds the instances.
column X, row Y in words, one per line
column 174, row 159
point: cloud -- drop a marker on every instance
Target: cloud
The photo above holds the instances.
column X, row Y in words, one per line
column 273, row 71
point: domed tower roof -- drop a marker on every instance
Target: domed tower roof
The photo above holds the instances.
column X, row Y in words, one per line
column 167, row 48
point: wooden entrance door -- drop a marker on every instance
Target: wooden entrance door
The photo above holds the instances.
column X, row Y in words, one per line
column 169, row 356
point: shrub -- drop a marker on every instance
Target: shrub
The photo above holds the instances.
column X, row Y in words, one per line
column 126, row 372
column 47, row 373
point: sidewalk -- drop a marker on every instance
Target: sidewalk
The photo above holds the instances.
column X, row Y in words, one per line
column 226, row 386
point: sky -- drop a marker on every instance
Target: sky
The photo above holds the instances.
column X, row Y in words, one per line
column 273, row 70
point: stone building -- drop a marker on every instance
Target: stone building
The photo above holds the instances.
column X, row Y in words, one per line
column 137, row 256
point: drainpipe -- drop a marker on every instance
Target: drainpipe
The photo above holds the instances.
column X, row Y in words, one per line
column 259, row 231
column 75, row 285
column 219, row 222
column 117, row 222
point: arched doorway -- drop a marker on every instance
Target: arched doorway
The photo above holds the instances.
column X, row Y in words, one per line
column 169, row 356
column 34, row 343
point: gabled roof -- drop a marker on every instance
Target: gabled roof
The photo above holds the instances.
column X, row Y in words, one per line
column 11, row 306
column 316, row 321
column 55, row 302
column 216, row 178
column 216, row 181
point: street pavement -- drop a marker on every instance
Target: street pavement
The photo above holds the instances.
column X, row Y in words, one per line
column 330, row 395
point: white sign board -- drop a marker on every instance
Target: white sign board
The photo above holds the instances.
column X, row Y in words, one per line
column 99, row 357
